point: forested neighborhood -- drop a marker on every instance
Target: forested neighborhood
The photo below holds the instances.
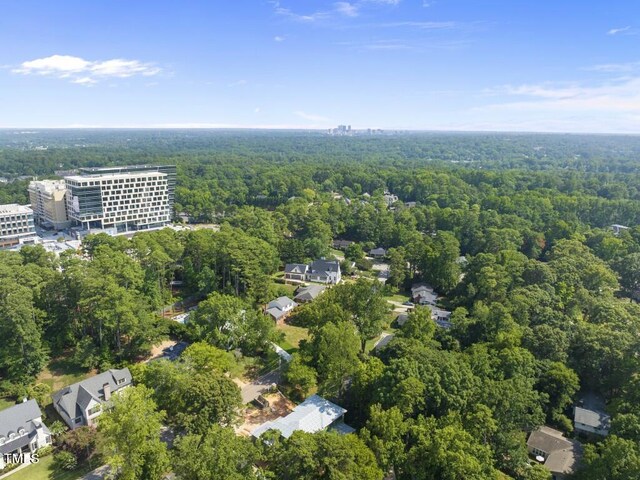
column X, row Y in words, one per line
column 417, row 306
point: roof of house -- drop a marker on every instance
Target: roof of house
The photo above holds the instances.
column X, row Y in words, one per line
column 281, row 303
column 592, row 418
column 295, row 268
column 74, row 399
column 378, row 251
column 312, row 415
column 325, row 266
column 342, row 243
column 309, row 293
column 562, row 454
column 280, row 306
column 17, row 416
column 421, row 287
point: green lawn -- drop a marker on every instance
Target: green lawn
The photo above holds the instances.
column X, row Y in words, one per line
column 292, row 336
column 6, row 403
column 44, row 470
column 61, row 372
column 399, row 297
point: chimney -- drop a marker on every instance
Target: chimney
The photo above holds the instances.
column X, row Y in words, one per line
column 107, row 391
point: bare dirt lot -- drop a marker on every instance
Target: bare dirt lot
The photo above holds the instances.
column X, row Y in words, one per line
column 279, row 406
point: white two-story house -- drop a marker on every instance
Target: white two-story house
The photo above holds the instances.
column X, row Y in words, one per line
column 22, row 430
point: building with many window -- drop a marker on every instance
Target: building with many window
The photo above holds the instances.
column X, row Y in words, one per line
column 16, row 225
column 170, row 170
column 48, row 201
column 124, row 198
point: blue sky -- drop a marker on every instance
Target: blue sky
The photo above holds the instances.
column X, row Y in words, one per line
column 561, row 65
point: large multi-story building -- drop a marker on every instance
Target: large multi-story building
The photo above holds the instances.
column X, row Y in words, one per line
column 170, row 170
column 124, row 198
column 16, row 225
column 48, row 201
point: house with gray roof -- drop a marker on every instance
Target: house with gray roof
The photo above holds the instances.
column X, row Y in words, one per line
column 280, row 308
column 320, row 271
column 325, row 271
column 313, row 415
column 424, row 295
column 296, row 271
column 22, row 430
column 591, row 421
column 308, row 293
column 81, row 403
column 378, row 252
column 557, row 453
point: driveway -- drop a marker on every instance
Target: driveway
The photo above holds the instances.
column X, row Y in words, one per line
column 252, row 390
column 98, row 474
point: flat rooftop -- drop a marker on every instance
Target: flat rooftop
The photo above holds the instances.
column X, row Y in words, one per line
column 13, row 208
column 102, row 176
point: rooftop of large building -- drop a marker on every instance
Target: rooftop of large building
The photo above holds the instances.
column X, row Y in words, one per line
column 107, row 176
column 14, row 208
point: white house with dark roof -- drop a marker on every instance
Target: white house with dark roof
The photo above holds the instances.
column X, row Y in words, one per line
column 22, row 430
column 81, row 403
column 319, row 271
column 313, row 415
column 324, row 271
column 424, row 295
column 280, row 308
column 296, row 271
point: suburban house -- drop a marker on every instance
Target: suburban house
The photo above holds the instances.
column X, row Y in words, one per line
column 325, row 271
column 296, row 271
column 280, row 308
column 22, row 430
column 378, row 252
column 309, row 293
column 81, row 403
column 390, row 198
column 312, row 415
column 559, row 454
column 440, row 316
column 341, row 244
column 424, row 295
column 591, row 422
column 320, row 271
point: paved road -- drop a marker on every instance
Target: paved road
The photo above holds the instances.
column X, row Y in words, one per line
column 253, row 390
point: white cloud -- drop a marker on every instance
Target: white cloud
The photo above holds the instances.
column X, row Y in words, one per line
column 311, row 117
column 622, row 31
column 84, row 81
column 238, row 83
column 421, row 25
column 611, row 97
column 347, row 9
column 85, row 72
column 279, row 38
column 615, row 67
column 256, row 110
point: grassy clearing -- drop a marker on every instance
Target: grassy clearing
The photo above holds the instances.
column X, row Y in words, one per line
column 6, row 403
column 292, row 336
column 399, row 297
column 45, row 470
column 61, row 372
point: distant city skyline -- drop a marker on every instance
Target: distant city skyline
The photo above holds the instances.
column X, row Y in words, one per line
column 464, row 65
